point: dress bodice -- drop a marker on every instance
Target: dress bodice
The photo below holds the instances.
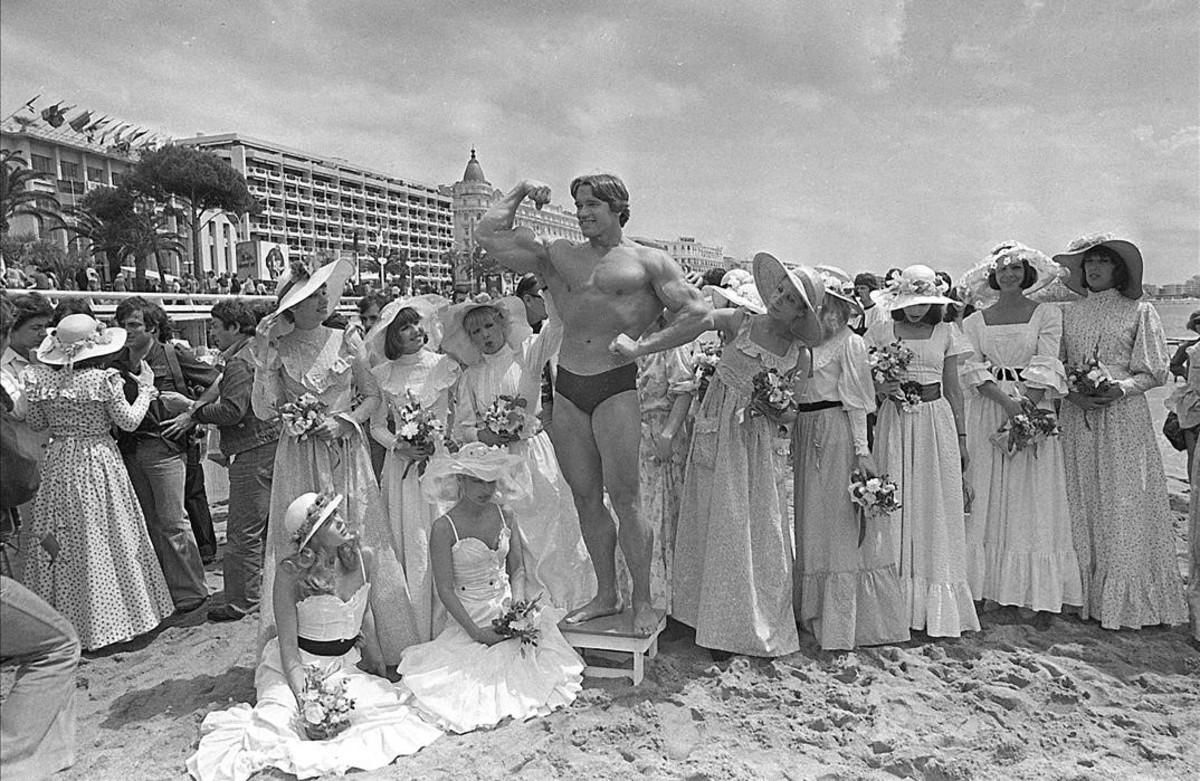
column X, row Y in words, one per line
column 1125, row 335
column 1031, row 348
column 480, row 574
column 318, row 362
column 327, row 617
column 929, row 355
column 83, row 403
column 427, row 374
column 743, row 358
column 840, row 372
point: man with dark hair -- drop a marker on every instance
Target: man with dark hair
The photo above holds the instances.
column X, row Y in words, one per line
column 529, row 290
column 249, row 443
column 155, row 459
column 713, row 276
column 608, row 289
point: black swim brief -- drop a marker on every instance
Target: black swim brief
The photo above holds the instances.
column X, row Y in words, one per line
column 587, row 391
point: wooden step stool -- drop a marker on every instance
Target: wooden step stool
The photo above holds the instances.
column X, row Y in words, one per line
column 615, row 633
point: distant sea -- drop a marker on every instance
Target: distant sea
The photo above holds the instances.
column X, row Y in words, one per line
column 1174, row 314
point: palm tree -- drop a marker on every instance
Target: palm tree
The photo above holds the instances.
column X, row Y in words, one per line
column 17, row 198
column 120, row 225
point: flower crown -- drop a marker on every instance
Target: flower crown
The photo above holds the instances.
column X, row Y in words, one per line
column 71, row 349
column 1010, row 251
column 901, row 285
column 310, row 518
column 1087, row 241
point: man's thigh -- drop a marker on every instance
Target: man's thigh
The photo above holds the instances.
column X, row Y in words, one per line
column 164, row 473
column 617, row 429
column 575, row 448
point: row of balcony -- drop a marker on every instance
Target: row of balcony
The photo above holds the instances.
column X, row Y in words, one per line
column 253, row 174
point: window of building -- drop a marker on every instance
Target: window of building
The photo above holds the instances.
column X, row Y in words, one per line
column 95, row 174
column 42, row 164
column 69, row 170
column 116, row 179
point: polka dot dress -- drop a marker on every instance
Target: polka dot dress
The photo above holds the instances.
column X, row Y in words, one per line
column 104, row 577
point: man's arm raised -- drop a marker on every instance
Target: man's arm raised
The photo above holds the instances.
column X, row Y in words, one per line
column 518, row 249
column 692, row 314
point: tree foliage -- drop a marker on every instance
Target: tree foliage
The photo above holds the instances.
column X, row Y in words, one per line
column 121, row 224
column 201, row 181
column 16, row 196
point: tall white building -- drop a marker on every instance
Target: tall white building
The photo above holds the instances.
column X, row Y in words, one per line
column 692, row 255
column 313, row 204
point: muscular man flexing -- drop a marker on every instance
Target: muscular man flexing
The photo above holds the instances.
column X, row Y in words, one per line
column 608, row 290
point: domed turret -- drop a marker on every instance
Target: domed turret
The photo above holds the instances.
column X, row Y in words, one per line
column 474, row 172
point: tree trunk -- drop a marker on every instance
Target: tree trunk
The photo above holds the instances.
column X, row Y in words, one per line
column 162, row 271
column 139, row 273
column 197, row 265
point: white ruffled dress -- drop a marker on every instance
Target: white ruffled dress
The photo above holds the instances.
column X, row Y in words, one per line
column 1019, row 537
column 463, row 685
column 238, row 742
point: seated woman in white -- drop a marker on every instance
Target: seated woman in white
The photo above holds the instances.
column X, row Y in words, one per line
column 320, row 596
column 471, row 676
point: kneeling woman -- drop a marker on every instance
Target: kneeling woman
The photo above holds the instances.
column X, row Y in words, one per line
column 324, row 617
column 471, row 676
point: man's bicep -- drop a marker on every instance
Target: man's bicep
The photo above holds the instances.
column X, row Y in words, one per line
column 519, row 249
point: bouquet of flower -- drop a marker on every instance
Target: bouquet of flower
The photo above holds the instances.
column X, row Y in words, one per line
column 419, row 427
column 771, row 391
column 1027, row 430
column 1090, row 378
column 324, row 706
column 704, row 365
column 889, row 362
column 520, row 621
column 874, row 495
column 301, row 416
column 508, row 418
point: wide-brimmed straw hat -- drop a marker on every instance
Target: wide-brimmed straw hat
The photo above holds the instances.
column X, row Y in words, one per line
column 915, row 285
column 491, row 464
column 770, row 272
column 974, row 284
column 428, row 306
column 840, row 285
column 300, row 280
column 77, row 338
column 1072, row 260
column 744, row 295
column 307, row 513
column 455, row 340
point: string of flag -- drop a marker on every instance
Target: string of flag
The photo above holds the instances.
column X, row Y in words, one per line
column 99, row 129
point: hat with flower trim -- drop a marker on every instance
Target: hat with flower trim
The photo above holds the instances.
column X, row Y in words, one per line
column 915, row 285
column 1072, row 260
column 974, row 284
column 306, row 513
column 77, row 338
column 475, row 459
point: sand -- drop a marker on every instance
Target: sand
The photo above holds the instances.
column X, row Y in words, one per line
column 1068, row 701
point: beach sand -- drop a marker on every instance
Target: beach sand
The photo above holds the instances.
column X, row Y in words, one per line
column 1069, row 701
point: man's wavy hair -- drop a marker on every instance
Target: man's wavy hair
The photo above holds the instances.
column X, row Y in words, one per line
column 608, row 188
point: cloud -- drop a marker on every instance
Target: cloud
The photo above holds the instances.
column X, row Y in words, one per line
column 1184, row 140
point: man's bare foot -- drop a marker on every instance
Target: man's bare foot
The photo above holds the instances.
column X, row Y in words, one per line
column 645, row 619
column 599, row 607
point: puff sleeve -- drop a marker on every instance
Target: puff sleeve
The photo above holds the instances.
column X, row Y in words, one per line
column 974, row 368
column 127, row 416
column 1045, row 369
column 268, row 385
column 1149, row 360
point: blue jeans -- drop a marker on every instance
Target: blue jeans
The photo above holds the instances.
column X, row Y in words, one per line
column 157, row 474
column 246, row 532
column 37, row 720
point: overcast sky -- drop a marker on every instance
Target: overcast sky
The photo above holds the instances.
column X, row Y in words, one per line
column 894, row 133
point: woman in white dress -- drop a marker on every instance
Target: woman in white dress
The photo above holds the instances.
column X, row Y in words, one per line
column 400, row 350
column 326, row 627
column 472, row 676
column 1020, row 517
column 1116, row 487
column 503, row 357
column 298, row 358
column 846, row 590
column 922, row 446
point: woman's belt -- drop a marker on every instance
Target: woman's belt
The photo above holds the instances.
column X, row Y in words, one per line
column 326, row 647
column 1006, row 374
column 816, row 406
column 930, row 392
